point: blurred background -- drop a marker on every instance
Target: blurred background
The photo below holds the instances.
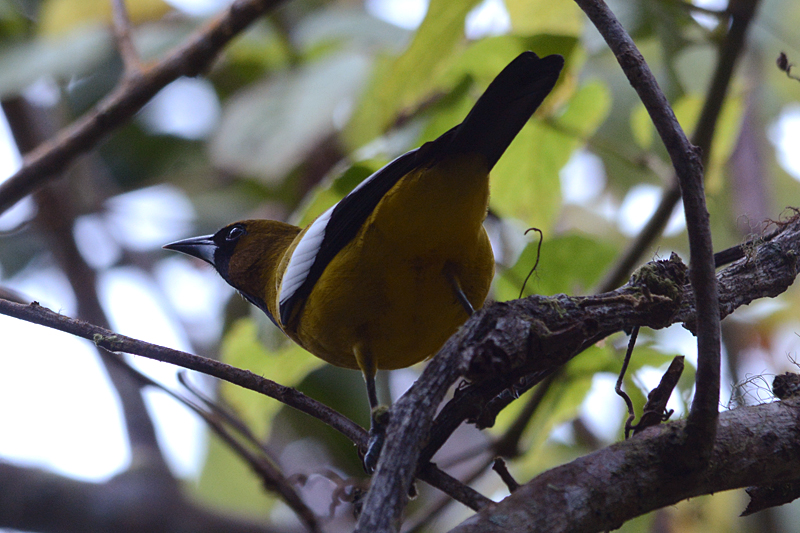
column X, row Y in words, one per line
column 295, row 112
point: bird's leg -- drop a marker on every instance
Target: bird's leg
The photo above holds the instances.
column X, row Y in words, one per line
column 379, row 414
column 456, row 286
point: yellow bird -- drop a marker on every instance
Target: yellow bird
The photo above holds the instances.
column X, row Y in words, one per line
column 384, row 277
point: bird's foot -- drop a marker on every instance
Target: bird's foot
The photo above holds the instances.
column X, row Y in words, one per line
column 377, row 436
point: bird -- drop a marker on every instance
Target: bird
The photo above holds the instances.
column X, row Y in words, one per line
column 384, row 277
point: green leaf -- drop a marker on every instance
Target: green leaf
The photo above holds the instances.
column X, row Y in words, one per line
column 63, row 16
column 484, row 59
column 287, row 366
column 403, row 82
column 642, row 127
column 570, row 264
column 228, row 482
column 331, row 191
column 269, row 128
column 529, row 17
column 525, row 182
column 72, row 55
column 340, row 26
column 13, row 23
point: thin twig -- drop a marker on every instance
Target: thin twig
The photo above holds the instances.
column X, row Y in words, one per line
column 536, row 263
column 423, row 518
column 189, row 59
column 119, row 343
column 618, row 387
column 122, row 34
column 499, row 466
column 453, row 487
column 655, row 409
column 225, row 414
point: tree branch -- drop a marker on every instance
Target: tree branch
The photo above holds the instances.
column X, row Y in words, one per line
column 190, row 59
column 35, row 500
column 500, row 343
column 122, row 33
column 55, row 217
column 685, row 157
column 600, row 491
column 740, row 13
column 120, row 343
column 507, row 340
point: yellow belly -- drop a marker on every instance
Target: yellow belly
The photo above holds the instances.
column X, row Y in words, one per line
column 387, row 294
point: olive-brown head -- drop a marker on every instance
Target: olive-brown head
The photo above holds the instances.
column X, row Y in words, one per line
column 247, row 255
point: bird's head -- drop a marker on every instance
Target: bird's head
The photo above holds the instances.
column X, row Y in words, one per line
column 247, row 255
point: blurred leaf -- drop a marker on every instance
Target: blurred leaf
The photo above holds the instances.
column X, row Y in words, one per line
column 341, row 389
column 153, row 40
column 687, row 110
column 559, row 405
column 62, row 16
column 340, row 26
column 568, row 264
column 257, row 52
column 134, row 156
column 12, row 22
column 227, row 482
column 529, row 17
column 288, row 366
column 269, row 128
column 727, row 135
column 402, row 82
column 484, row 59
column 717, row 512
column 525, row 182
column 642, row 127
column 331, row 191
column 62, row 58
column 20, row 249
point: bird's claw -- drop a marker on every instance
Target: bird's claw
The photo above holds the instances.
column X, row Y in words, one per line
column 377, row 436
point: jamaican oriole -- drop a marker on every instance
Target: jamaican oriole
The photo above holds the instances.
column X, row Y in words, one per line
column 384, row 277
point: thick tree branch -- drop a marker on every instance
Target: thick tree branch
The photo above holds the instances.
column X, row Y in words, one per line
column 602, row 490
column 535, row 335
column 190, row 59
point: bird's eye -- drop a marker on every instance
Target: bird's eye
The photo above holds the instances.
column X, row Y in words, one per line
column 234, row 233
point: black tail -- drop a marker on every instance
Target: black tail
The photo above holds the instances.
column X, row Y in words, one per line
column 506, row 106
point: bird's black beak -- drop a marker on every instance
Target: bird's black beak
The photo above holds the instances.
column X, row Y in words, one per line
column 200, row 247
